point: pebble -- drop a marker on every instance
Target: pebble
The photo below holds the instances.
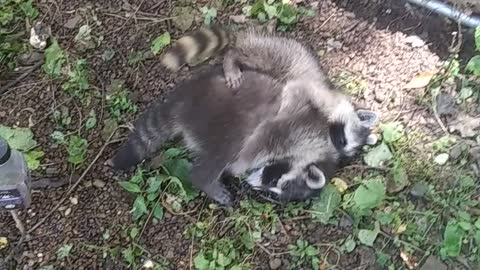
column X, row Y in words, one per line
column 99, row 183
column 275, row 263
column 415, row 41
column 3, row 114
column 68, row 211
column 170, row 255
column 456, row 152
column 74, row 200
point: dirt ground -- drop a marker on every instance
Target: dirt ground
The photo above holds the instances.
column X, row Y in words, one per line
column 370, row 39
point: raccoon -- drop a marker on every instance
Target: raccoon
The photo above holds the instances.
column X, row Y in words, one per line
column 293, row 66
column 228, row 132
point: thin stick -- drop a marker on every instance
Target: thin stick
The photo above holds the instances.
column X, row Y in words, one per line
column 21, row 77
column 74, row 186
column 21, row 228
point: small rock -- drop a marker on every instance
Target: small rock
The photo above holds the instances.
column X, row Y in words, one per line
column 170, row 254
column 51, row 170
column 333, row 44
column 39, row 35
column 441, row 159
column 419, row 189
column 456, row 152
column 275, row 263
column 74, row 200
column 68, row 211
column 99, row 183
column 415, row 41
column 433, row 263
column 87, row 184
column 29, row 58
column 3, row 114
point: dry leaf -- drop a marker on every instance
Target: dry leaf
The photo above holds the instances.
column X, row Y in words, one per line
column 3, row 242
column 408, row 259
column 420, row 80
column 401, row 229
column 467, row 126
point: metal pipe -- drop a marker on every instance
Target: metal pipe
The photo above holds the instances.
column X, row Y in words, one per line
column 448, row 11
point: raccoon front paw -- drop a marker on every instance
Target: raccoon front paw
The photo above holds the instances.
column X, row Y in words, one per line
column 233, row 79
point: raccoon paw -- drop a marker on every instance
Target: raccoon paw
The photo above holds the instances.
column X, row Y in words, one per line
column 233, row 79
column 222, row 196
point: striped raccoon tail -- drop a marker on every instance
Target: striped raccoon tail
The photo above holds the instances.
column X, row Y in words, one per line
column 150, row 132
column 197, row 45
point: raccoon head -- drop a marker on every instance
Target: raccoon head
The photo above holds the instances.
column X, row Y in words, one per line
column 292, row 184
column 350, row 134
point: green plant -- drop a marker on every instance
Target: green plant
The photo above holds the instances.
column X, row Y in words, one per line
column 209, row 14
column 54, row 60
column 77, row 150
column 304, row 255
column 160, row 42
column 77, row 84
column 22, row 139
column 286, row 14
column 64, row 251
column 13, row 14
column 222, row 254
column 170, row 184
column 118, row 101
column 62, row 117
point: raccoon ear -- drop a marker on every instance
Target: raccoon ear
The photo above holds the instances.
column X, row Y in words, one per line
column 367, row 118
column 315, row 177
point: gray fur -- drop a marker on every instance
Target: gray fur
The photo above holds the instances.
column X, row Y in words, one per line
column 294, row 67
column 230, row 132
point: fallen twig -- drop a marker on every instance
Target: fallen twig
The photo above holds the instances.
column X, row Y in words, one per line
column 72, row 188
column 21, row 228
column 21, row 77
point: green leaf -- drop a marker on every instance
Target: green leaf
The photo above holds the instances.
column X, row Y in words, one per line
column 133, row 233
column 28, row 9
column 368, row 237
column 54, row 59
column 270, row 10
column 399, row 180
column 139, row 207
column 128, row 255
column 173, row 152
column 209, row 14
column 33, row 159
column 160, row 42
column 474, row 65
column 477, row 224
column 58, row 137
column 154, row 183
column 349, row 245
column 158, row 212
column 91, row 121
column 392, row 131
column 179, row 168
column 369, row 194
column 323, row 208
column 64, row 251
column 77, row 150
column 132, row 187
column 200, row 262
column 18, row 138
column 477, row 38
column 452, row 240
column 378, row 155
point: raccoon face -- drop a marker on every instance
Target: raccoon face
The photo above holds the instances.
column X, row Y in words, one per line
column 350, row 135
column 289, row 183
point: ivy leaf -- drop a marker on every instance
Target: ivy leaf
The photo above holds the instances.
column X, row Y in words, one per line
column 368, row 237
column 452, row 240
column 378, row 155
column 474, row 65
column 270, row 10
column 131, row 187
column 54, row 59
column 160, row 42
column 29, row 10
column 91, row 121
column 133, row 233
column 369, row 194
column 349, row 245
column 329, row 200
column 392, row 132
